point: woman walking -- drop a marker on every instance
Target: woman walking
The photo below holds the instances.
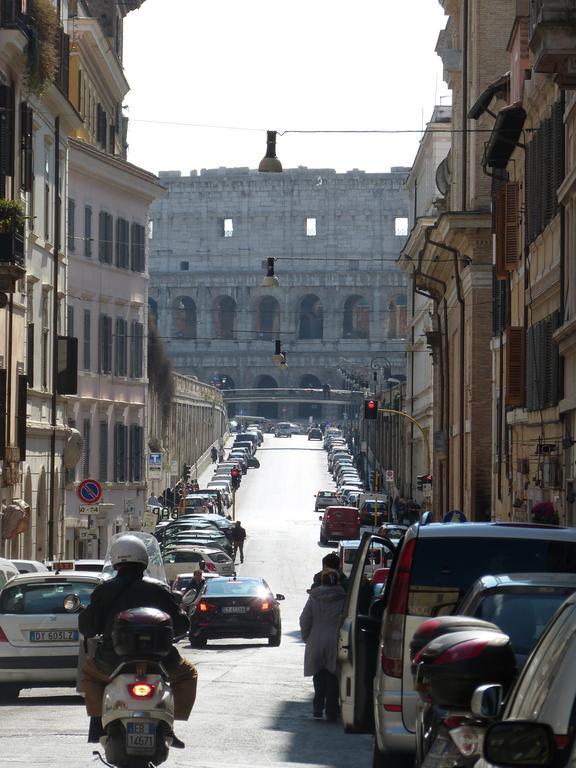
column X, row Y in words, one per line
column 319, row 624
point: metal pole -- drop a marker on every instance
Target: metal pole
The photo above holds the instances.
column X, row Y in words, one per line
column 53, row 419
column 424, row 434
column 233, row 503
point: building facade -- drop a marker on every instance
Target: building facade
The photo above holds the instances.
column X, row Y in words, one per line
column 341, row 300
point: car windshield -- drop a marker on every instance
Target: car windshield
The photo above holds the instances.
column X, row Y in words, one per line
column 43, row 598
column 239, row 587
column 521, row 615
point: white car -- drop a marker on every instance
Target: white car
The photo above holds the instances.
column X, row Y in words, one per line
column 183, row 559
column 39, row 640
column 30, row 566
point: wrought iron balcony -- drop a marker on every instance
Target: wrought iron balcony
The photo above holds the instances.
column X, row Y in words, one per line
column 553, row 39
column 11, row 258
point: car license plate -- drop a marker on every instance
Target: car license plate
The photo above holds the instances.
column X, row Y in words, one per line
column 141, row 734
column 54, row 635
column 234, row 609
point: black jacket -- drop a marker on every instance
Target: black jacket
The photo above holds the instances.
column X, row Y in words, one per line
column 129, row 589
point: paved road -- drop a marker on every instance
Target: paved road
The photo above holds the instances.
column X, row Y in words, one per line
column 254, row 705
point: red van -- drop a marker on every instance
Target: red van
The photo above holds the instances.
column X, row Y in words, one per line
column 339, row 523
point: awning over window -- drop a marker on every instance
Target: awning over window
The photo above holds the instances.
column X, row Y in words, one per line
column 504, row 137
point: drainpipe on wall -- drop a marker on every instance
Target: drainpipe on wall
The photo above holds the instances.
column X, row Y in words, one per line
column 455, row 256
column 54, row 415
column 464, row 134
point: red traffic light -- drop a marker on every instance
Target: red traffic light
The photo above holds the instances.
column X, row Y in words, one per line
column 370, row 409
column 235, row 473
column 371, row 404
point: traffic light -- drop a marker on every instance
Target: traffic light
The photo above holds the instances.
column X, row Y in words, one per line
column 235, row 474
column 370, row 409
column 186, row 469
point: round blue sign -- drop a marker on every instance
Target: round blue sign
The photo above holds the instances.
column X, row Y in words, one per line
column 90, row 491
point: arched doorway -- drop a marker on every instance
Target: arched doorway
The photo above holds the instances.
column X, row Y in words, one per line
column 224, row 314
column 267, row 318
column 310, row 410
column 311, row 318
column 356, row 320
column 267, row 410
column 185, row 319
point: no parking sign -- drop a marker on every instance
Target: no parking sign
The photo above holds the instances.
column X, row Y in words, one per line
column 89, row 491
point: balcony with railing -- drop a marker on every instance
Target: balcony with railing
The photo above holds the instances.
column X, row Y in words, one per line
column 553, row 39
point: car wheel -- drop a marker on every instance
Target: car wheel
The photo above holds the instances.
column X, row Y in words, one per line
column 9, row 692
column 275, row 640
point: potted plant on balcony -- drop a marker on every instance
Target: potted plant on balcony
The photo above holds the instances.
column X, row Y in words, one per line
column 543, row 512
column 43, row 46
column 11, row 215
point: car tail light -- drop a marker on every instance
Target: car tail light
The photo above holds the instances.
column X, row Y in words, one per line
column 210, row 566
column 205, row 607
column 393, row 632
column 141, row 690
column 561, row 740
column 461, row 652
column 3, row 638
column 264, row 605
column 468, row 740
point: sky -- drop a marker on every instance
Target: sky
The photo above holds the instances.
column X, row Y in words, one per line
column 209, row 77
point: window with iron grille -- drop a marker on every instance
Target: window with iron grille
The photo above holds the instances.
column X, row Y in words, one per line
column 105, row 237
column 542, row 364
column 544, row 173
column 103, row 451
column 120, row 453
column 122, row 244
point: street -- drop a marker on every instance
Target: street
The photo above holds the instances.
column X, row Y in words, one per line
column 254, row 705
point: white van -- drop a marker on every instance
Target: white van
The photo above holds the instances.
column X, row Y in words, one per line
column 378, row 557
column 7, row 571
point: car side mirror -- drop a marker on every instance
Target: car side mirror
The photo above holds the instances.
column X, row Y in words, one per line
column 487, row 701
column 319, row 517
column 280, row 597
column 519, row 743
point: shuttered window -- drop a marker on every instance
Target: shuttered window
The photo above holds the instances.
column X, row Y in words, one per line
column 138, row 248
column 137, row 350
column 105, row 237
column 542, row 364
column 120, row 453
column 121, row 347
column 122, row 244
column 30, row 354
column 507, row 220
column 105, row 344
column 86, row 450
column 136, row 452
column 87, row 230
column 544, row 173
column 103, row 451
column 515, row 367
column 6, row 136
column 26, row 147
column 71, row 224
column 87, row 345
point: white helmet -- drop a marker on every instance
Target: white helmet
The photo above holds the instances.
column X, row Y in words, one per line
column 128, row 549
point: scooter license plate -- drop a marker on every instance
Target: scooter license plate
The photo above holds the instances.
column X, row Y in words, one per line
column 141, row 735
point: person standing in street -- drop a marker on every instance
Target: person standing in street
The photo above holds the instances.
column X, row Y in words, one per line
column 214, row 454
column 238, row 538
column 319, row 624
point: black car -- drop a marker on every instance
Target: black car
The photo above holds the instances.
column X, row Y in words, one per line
column 235, row 607
column 315, row 434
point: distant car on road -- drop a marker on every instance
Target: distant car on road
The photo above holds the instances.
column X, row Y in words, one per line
column 315, row 434
column 283, row 429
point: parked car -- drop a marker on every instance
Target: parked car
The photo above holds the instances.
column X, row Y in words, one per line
column 325, row 499
column 374, row 511
column 201, row 537
column 315, row 433
column 378, row 558
column 339, row 523
column 239, row 607
column 542, row 702
column 521, row 606
column 7, row 571
column 435, row 566
column 30, row 566
column 39, row 640
column 283, row 429
column 184, row 559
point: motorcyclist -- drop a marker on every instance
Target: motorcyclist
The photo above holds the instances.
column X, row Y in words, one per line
column 131, row 589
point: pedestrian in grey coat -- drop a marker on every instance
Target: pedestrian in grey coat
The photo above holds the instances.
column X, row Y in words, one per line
column 319, row 624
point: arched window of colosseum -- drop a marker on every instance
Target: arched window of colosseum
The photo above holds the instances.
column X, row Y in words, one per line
column 225, row 318
column 185, row 321
column 311, row 318
column 356, row 320
column 267, row 410
column 267, row 318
